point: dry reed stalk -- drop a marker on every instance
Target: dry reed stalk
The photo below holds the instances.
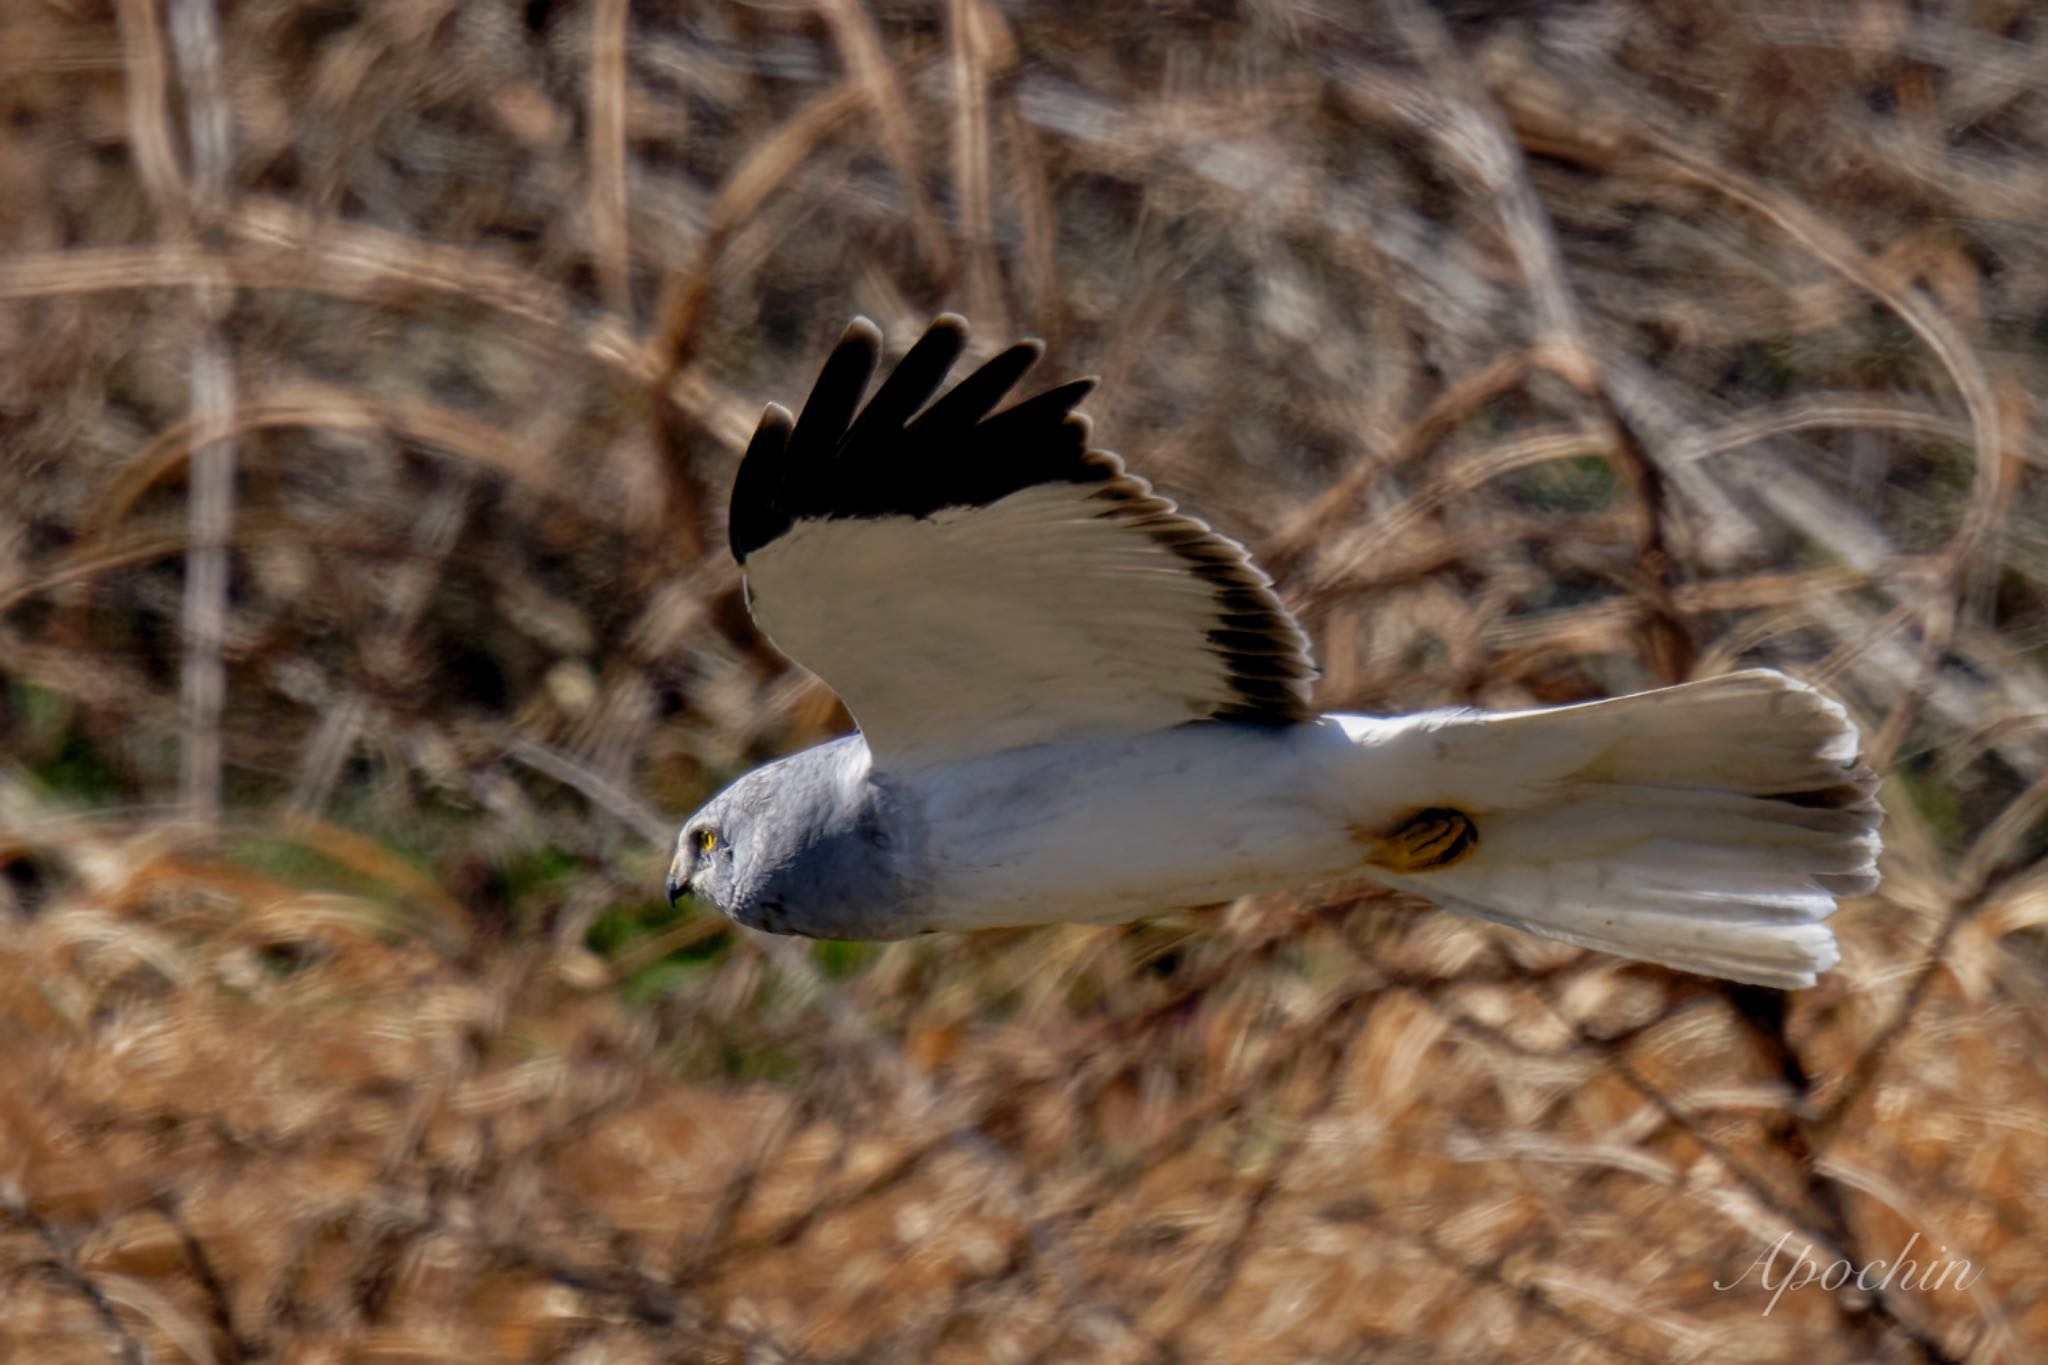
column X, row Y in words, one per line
column 606, row 205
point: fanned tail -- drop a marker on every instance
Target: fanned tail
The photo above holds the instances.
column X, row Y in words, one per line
column 1709, row 827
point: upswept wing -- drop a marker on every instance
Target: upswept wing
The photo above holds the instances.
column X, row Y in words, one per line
column 970, row 581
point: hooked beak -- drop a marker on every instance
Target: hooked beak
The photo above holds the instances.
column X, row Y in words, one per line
column 678, row 884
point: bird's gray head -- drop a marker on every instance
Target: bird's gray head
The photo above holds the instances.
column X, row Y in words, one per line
column 808, row 845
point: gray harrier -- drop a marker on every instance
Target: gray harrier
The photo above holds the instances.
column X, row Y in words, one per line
column 1076, row 703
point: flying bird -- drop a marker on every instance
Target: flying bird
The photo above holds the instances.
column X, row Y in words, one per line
column 1076, row 703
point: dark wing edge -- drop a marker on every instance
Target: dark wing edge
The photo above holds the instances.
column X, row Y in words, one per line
column 889, row 459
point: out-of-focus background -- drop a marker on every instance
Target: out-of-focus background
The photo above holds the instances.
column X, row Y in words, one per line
column 371, row 379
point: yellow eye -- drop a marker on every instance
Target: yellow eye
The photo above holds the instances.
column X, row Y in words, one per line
column 707, row 839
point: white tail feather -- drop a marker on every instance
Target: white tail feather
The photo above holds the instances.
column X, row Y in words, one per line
column 1708, row 827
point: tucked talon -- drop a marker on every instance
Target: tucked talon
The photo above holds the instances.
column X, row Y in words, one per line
column 1429, row 839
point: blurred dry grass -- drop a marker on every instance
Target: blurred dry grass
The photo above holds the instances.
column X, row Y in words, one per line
column 372, row 377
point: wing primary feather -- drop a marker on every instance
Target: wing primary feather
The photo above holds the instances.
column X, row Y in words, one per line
column 973, row 398
column 836, row 395
column 1055, row 407
column 759, row 512
column 912, row 383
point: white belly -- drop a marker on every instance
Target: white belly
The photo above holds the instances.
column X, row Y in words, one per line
column 1111, row 831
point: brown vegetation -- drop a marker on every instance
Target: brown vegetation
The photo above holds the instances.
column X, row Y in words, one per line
column 370, row 378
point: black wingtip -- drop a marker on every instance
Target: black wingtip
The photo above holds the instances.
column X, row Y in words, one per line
column 842, row 383
column 1061, row 398
column 912, row 383
column 906, row 453
column 756, row 514
column 974, row 397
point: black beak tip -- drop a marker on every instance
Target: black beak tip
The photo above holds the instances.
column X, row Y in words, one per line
column 676, row 887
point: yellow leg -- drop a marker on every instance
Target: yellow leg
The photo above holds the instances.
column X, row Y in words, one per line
column 1427, row 840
